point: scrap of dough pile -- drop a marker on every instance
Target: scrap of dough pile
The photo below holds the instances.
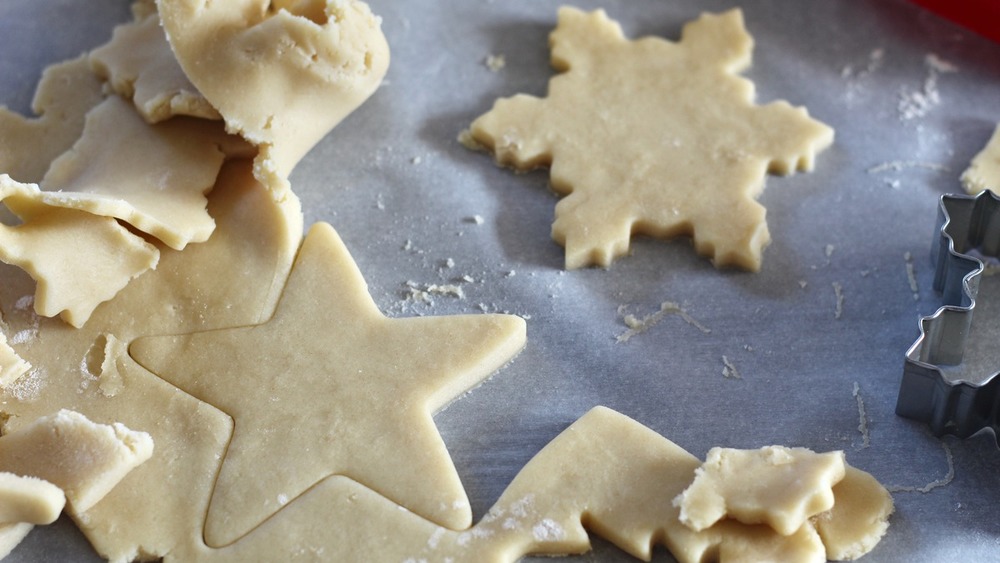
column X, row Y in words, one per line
column 283, row 407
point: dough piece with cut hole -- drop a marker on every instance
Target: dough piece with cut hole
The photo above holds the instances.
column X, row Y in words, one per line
column 12, row 366
column 859, row 517
column 28, row 499
column 984, row 171
column 255, row 242
column 281, row 76
column 778, row 486
column 84, row 459
column 153, row 177
column 139, row 65
column 66, row 92
column 78, row 260
column 360, row 388
column 653, row 137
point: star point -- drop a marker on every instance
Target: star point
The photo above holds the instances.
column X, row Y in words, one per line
column 330, row 386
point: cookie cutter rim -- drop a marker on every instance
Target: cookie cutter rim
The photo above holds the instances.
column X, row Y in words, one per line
column 968, row 227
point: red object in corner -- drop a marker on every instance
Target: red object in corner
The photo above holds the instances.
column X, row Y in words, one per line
column 981, row 16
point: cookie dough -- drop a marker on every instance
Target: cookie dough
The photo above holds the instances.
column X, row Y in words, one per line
column 778, row 486
column 78, row 260
column 281, row 77
column 334, row 385
column 653, row 137
column 606, row 471
column 162, row 504
column 12, row 366
column 28, row 499
column 152, row 177
column 66, row 92
column 84, row 459
column 859, row 517
column 139, row 65
column 984, row 171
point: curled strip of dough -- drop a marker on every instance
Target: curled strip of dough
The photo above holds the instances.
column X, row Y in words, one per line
column 282, row 77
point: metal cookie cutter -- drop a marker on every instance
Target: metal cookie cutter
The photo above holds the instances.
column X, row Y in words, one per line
column 968, row 228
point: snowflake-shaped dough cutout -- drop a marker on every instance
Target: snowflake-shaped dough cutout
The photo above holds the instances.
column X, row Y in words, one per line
column 653, row 137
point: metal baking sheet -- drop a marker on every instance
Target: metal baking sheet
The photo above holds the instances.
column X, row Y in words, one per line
column 817, row 336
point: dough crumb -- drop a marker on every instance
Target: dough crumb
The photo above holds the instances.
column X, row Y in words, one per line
column 898, row 165
column 911, row 275
column 12, row 366
column 838, row 292
column 729, row 371
column 949, row 476
column 915, row 104
column 862, row 417
column 495, row 63
column 638, row 326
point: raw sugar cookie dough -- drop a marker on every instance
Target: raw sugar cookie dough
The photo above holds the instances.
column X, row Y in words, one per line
column 139, row 65
column 984, row 171
column 61, row 460
column 281, row 74
column 66, row 92
column 653, row 137
column 605, row 470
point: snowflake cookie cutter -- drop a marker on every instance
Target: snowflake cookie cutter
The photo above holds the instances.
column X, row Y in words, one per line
column 968, row 232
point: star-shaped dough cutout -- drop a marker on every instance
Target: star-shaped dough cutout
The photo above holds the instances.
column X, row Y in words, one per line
column 653, row 137
column 330, row 386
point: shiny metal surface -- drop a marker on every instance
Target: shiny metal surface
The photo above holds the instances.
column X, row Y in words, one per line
column 817, row 337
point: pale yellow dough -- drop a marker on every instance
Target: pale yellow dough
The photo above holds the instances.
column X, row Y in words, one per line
column 984, row 171
column 280, row 80
column 152, row 177
column 333, row 384
column 57, row 459
column 859, row 518
column 162, row 503
column 653, row 137
column 606, row 471
column 139, row 65
column 12, row 366
column 66, row 92
column 28, row 499
column 84, row 459
column 78, row 260
column 11, row 535
column 778, row 486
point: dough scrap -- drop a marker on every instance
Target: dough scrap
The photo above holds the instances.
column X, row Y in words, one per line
column 255, row 241
column 778, row 486
column 11, row 535
column 984, row 170
column 84, row 459
column 139, row 65
column 12, row 366
column 152, row 177
column 378, row 380
column 605, row 471
column 653, row 137
column 66, row 92
column 78, row 260
column 28, row 499
column 859, row 518
column 280, row 80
